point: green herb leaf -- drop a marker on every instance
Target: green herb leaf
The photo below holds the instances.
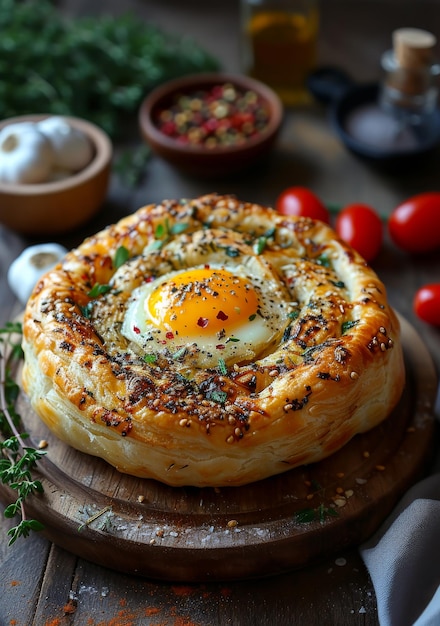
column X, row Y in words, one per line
column 324, row 260
column 346, row 326
column 178, row 227
column 98, row 290
column 260, row 244
column 16, row 459
column 122, row 255
column 150, row 358
column 217, row 396
column 180, row 353
column 109, row 63
column 222, row 367
column 305, row 516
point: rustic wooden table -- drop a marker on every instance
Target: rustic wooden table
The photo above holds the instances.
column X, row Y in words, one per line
column 40, row 583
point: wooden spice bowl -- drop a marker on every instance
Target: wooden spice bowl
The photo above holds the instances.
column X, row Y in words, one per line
column 197, row 158
column 60, row 206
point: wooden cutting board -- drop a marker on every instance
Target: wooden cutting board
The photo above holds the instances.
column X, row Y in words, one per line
column 288, row 521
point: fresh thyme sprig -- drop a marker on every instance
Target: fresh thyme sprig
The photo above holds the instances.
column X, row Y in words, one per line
column 16, row 459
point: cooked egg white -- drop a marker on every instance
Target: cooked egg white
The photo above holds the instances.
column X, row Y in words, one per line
column 207, row 313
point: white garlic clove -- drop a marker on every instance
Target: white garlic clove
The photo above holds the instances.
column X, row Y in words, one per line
column 72, row 147
column 25, row 271
column 26, row 155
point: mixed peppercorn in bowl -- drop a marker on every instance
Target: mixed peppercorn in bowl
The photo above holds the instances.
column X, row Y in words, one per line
column 211, row 124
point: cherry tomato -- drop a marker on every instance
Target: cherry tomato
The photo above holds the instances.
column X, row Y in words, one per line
column 303, row 202
column 414, row 225
column 361, row 227
column 427, row 303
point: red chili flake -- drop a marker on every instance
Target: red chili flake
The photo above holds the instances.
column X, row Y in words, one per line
column 149, row 279
column 207, row 266
column 202, row 322
column 220, row 346
column 169, row 335
column 222, row 316
column 137, row 330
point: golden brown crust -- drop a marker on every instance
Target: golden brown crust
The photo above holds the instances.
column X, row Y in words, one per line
column 334, row 367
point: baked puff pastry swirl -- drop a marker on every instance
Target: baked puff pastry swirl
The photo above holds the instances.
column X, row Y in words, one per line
column 211, row 342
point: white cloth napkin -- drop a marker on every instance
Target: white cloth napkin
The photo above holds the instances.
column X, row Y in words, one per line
column 403, row 558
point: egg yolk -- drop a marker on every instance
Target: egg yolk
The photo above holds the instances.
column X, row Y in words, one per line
column 201, row 301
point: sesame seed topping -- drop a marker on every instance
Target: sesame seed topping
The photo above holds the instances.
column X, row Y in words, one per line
column 230, row 439
column 354, row 375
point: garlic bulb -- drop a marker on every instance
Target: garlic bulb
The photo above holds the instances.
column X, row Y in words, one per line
column 26, row 154
column 30, row 265
column 73, row 149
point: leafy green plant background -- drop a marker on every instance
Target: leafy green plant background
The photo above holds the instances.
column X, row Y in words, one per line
column 98, row 68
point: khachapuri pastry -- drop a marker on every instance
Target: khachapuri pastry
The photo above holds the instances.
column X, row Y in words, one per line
column 211, row 342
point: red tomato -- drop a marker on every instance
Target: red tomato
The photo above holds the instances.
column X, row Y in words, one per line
column 361, row 227
column 303, row 202
column 427, row 303
column 414, row 225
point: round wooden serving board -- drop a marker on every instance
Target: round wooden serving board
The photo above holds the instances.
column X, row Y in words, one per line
column 187, row 534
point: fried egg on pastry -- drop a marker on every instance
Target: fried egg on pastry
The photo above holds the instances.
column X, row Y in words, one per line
column 231, row 344
column 211, row 312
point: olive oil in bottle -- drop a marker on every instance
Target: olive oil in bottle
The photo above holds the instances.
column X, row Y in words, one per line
column 279, row 44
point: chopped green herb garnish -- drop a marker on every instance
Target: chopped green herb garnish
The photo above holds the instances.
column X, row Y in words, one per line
column 217, row 396
column 98, row 290
column 293, row 315
column 180, row 353
column 150, row 358
column 252, row 317
column 305, row 516
column 320, row 514
column 346, row 326
column 232, row 252
column 260, row 244
column 86, row 311
column 324, row 260
column 233, row 339
column 338, row 283
column 159, row 231
column 122, row 255
column 178, row 227
column 222, row 367
column 154, row 245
